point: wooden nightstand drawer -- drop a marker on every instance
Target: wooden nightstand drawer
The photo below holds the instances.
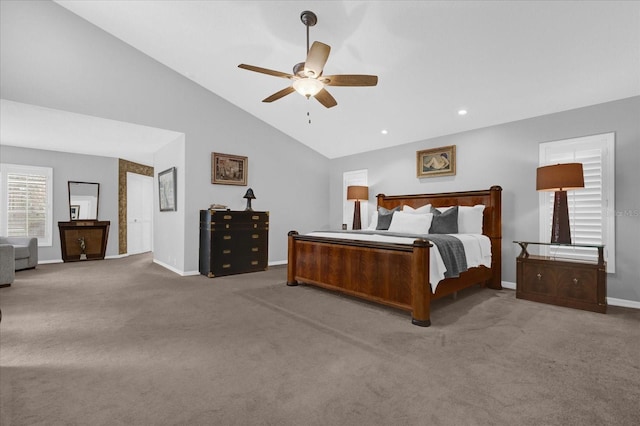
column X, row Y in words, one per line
column 563, row 282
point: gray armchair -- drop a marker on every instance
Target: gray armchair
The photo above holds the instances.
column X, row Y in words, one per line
column 25, row 251
column 7, row 265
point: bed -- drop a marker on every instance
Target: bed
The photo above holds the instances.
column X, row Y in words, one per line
column 392, row 273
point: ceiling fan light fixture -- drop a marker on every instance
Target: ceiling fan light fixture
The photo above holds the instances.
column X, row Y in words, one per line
column 308, row 87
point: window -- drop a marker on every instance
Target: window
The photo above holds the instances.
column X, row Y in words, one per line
column 591, row 209
column 356, row 177
column 26, row 202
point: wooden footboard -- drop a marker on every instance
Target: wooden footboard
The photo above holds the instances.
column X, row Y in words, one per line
column 396, row 275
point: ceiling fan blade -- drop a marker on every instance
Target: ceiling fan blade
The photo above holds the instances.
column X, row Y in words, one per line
column 282, row 93
column 265, row 71
column 325, row 98
column 316, row 58
column 349, row 80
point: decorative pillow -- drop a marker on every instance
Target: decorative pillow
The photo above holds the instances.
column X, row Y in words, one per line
column 374, row 221
column 410, row 223
column 444, row 222
column 384, row 217
column 419, row 210
column 469, row 218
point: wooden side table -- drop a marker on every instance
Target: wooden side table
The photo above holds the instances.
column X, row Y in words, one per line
column 578, row 284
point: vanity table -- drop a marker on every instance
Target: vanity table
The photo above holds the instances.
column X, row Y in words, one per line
column 84, row 237
column 88, row 237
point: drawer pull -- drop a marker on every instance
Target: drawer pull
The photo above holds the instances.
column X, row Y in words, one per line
column 254, row 262
column 255, row 236
column 254, row 248
column 575, row 281
column 226, row 266
column 228, row 217
column 255, row 217
column 227, row 251
column 227, row 226
column 539, row 276
column 227, row 237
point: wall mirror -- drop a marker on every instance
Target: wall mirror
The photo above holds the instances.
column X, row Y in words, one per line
column 83, row 200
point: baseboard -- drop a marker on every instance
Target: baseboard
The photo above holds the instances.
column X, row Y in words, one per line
column 45, row 262
column 176, row 270
column 624, row 303
column 278, row 262
column 509, row 285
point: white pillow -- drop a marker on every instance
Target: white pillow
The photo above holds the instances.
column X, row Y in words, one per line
column 411, row 223
column 419, row 210
column 469, row 218
column 374, row 221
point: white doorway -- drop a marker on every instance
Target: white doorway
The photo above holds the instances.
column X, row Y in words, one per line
column 139, row 213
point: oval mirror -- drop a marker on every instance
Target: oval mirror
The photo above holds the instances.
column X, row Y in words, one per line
column 83, row 200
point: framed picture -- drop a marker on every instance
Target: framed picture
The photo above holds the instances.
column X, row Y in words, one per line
column 229, row 169
column 75, row 212
column 167, row 188
column 436, row 162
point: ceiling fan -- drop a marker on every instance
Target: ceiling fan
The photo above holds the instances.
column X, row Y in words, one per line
column 307, row 78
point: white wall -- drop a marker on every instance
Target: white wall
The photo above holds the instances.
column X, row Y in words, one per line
column 52, row 58
column 74, row 167
column 507, row 155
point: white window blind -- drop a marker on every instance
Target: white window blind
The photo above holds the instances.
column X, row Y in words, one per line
column 26, row 199
column 591, row 209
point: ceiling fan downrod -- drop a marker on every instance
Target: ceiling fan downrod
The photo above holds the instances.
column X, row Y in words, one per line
column 309, row 19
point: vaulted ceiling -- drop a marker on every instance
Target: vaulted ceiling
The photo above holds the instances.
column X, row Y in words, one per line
column 500, row 61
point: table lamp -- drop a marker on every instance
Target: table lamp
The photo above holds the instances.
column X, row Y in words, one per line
column 560, row 178
column 249, row 196
column 357, row 193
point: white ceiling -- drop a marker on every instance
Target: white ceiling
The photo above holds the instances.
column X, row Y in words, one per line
column 31, row 126
column 500, row 60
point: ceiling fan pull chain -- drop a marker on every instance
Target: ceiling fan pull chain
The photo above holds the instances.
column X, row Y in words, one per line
column 309, row 117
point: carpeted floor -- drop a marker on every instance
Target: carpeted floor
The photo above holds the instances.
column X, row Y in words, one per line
column 126, row 342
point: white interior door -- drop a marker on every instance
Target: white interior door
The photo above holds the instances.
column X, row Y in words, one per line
column 139, row 213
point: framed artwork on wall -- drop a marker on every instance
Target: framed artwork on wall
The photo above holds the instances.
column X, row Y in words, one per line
column 167, row 188
column 229, row 169
column 436, row 162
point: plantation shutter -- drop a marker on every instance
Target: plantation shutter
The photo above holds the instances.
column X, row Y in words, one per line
column 590, row 208
column 27, row 191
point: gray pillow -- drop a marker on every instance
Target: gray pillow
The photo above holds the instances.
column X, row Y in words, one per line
column 384, row 217
column 444, row 222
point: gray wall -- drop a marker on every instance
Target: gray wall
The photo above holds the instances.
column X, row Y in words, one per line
column 507, row 155
column 76, row 167
column 52, row 58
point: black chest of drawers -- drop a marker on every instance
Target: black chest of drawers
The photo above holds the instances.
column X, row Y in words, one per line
column 233, row 242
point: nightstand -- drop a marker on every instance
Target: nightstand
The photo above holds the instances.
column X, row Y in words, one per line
column 578, row 284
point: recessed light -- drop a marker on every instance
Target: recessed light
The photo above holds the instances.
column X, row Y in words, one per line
column 462, row 112
column 384, row 131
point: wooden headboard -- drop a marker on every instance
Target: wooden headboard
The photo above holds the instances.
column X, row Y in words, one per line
column 492, row 216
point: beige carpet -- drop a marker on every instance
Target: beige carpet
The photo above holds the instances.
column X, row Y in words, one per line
column 126, row 342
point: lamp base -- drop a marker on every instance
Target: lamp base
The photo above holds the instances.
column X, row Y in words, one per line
column 560, row 230
column 248, row 205
column 357, row 224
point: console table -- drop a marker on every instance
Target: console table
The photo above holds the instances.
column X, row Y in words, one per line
column 573, row 283
column 83, row 239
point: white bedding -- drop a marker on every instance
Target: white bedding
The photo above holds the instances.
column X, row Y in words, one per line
column 477, row 249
